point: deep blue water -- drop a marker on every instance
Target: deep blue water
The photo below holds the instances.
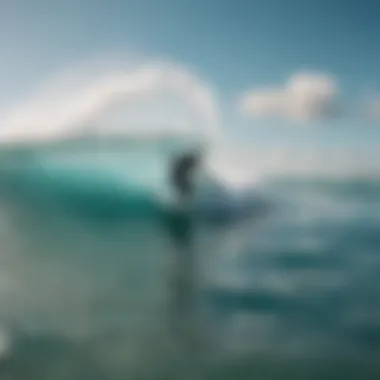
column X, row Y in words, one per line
column 293, row 293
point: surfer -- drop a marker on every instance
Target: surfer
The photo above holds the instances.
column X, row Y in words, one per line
column 182, row 173
column 180, row 228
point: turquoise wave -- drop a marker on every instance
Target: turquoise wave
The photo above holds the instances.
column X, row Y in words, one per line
column 122, row 177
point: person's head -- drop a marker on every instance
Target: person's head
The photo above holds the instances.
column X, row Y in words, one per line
column 193, row 158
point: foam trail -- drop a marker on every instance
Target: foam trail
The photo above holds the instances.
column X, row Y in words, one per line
column 78, row 101
column 52, row 114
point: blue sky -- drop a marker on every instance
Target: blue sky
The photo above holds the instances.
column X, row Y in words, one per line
column 236, row 46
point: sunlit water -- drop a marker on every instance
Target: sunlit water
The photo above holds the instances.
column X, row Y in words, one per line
column 294, row 293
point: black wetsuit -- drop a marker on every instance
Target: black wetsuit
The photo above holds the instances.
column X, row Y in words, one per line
column 181, row 174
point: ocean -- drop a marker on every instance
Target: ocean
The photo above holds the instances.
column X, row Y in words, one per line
column 88, row 291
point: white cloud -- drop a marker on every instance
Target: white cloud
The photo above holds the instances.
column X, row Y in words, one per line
column 79, row 99
column 304, row 97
